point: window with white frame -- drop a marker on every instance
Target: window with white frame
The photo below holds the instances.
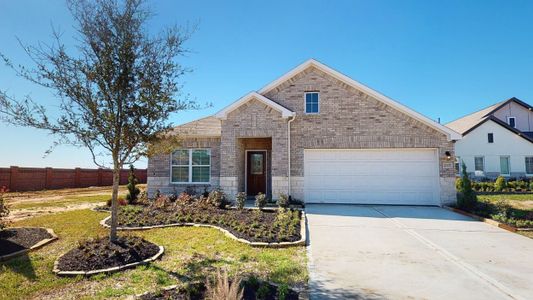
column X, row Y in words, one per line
column 529, row 165
column 311, row 103
column 457, row 165
column 191, row 166
column 479, row 163
column 511, row 121
column 505, row 165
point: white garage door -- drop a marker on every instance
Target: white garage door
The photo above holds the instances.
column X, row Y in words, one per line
column 391, row 176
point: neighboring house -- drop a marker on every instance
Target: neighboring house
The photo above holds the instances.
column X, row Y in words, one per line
column 497, row 140
column 318, row 136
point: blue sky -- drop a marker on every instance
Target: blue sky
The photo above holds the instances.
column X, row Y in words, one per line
column 444, row 59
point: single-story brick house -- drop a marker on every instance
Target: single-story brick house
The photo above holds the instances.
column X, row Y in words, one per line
column 318, row 136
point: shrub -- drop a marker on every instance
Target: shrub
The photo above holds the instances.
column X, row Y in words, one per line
column 222, row 288
column 120, row 202
column 184, row 199
column 240, row 199
column 503, row 208
column 283, row 201
column 500, row 184
column 161, row 202
column 133, row 190
column 458, row 183
column 466, row 197
column 260, row 200
column 4, row 210
column 217, row 198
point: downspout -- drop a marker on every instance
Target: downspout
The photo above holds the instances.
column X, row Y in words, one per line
column 289, row 153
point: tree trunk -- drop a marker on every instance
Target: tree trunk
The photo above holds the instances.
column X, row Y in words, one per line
column 114, row 204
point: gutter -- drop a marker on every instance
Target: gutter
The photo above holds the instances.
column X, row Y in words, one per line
column 289, row 153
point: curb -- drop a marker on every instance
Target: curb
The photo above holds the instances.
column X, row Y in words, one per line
column 39, row 244
column 485, row 220
column 108, row 270
column 300, row 242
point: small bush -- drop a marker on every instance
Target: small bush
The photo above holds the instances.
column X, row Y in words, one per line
column 240, row 200
column 260, row 200
column 222, row 288
column 503, row 208
column 458, row 183
column 120, row 202
column 217, row 198
column 466, row 197
column 500, row 184
column 283, row 201
column 4, row 210
column 161, row 202
column 184, row 199
column 133, row 190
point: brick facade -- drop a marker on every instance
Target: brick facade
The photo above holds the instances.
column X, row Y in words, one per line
column 159, row 168
column 348, row 119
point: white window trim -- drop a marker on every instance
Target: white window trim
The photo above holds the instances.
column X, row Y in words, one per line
column 305, row 103
column 190, row 166
column 483, row 158
column 509, row 121
column 525, row 166
column 459, row 162
column 508, row 165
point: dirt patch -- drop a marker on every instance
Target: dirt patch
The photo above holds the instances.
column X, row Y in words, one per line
column 21, row 214
column 16, row 239
column 101, row 254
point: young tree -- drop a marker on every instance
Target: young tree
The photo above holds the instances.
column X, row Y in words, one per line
column 115, row 90
column 467, row 198
column 133, row 190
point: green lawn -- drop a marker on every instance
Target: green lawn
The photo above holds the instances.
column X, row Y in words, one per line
column 189, row 253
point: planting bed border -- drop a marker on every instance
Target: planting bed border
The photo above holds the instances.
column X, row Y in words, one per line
column 108, row 270
column 488, row 220
column 34, row 247
column 300, row 242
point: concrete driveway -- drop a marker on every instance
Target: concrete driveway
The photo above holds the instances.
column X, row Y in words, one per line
column 405, row 252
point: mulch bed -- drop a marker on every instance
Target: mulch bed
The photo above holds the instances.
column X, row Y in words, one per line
column 252, row 225
column 99, row 254
column 17, row 239
column 251, row 291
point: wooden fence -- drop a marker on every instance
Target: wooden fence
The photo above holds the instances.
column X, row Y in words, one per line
column 34, row 179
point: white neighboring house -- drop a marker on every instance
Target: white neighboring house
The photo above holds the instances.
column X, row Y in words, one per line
column 497, row 140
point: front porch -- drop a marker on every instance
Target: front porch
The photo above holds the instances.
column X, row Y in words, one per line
column 256, row 167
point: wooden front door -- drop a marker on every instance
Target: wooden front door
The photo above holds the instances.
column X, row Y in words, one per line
column 255, row 172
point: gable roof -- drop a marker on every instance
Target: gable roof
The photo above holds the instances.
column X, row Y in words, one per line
column 285, row 113
column 468, row 123
column 450, row 133
column 205, row 127
column 464, row 124
column 504, row 125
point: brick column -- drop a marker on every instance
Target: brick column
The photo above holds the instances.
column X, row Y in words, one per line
column 48, row 178
column 13, row 176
